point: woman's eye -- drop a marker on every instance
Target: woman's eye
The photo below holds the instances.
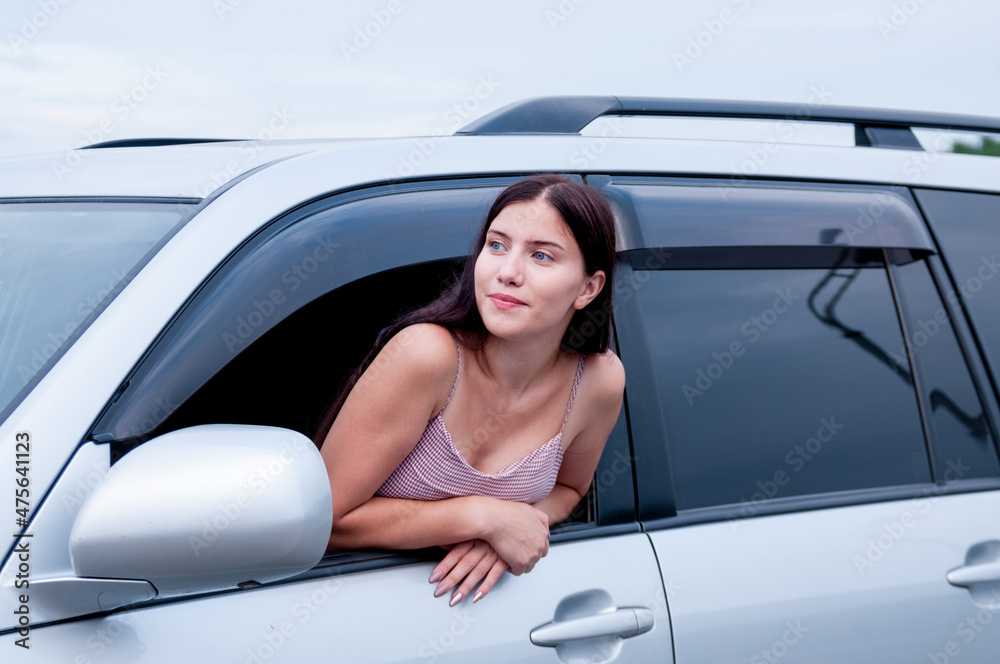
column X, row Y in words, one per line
column 495, row 246
column 542, row 256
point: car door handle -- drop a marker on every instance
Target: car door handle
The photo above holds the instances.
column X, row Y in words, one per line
column 967, row 575
column 623, row 623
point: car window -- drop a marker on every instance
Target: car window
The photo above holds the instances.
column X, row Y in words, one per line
column 963, row 444
column 781, row 382
column 61, row 263
column 294, row 261
column 774, row 315
column 272, row 336
column 966, row 225
column 289, row 375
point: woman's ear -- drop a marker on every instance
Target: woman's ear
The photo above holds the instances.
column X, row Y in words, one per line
column 591, row 289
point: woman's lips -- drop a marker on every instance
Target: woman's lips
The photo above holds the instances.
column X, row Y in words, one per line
column 505, row 301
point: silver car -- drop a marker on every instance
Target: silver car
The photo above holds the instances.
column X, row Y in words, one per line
column 805, row 469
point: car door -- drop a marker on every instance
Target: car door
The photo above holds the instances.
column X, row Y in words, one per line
column 817, row 466
column 266, row 341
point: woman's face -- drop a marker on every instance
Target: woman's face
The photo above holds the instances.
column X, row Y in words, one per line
column 530, row 274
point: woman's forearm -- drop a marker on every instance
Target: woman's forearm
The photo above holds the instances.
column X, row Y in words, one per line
column 517, row 531
column 396, row 523
column 559, row 503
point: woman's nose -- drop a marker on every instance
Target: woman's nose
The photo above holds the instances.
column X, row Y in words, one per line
column 511, row 271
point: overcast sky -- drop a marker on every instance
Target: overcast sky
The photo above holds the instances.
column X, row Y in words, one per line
column 80, row 71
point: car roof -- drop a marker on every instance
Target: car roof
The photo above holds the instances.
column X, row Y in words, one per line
column 197, row 170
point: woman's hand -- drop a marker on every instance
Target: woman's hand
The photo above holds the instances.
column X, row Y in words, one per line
column 516, row 529
column 466, row 565
column 518, row 532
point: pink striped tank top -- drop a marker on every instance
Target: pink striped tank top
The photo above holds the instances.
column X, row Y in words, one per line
column 436, row 469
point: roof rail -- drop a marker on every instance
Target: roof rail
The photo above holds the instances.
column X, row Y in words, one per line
column 153, row 142
column 570, row 114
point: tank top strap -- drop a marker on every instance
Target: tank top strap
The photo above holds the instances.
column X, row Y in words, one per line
column 455, row 385
column 572, row 394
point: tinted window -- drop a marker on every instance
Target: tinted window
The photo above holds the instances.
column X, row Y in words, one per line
column 967, row 226
column 781, row 382
column 963, row 446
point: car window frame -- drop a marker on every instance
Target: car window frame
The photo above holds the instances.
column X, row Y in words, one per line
column 656, row 504
column 612, row 500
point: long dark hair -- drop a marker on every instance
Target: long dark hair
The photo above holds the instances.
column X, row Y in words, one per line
column 589, row 218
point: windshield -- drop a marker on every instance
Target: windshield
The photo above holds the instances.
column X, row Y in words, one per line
column 61, row 263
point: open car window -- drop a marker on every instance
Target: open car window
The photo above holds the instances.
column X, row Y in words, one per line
column 299, row 260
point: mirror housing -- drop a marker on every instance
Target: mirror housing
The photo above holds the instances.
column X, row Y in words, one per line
column 209, row 507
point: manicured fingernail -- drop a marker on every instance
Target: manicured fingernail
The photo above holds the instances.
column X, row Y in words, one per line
column 456, row 599
column 436, row 576
column 476, row 598
column 440, row 590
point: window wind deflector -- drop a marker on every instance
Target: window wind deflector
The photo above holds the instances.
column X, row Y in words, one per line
column 744, row 216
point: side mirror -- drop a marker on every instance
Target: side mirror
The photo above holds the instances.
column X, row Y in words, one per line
column 206, row 508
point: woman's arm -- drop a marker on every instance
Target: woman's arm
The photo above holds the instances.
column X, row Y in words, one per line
column 516, row 531
column 379, row 424
column 598, row 403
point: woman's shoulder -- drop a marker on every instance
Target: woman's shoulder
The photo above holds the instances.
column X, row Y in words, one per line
column 598, row 401
column 605, row 373
column 602, row 384
column 426, row 349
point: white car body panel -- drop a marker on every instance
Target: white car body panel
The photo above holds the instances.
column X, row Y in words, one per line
column 823, row 585
column 317, row 620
